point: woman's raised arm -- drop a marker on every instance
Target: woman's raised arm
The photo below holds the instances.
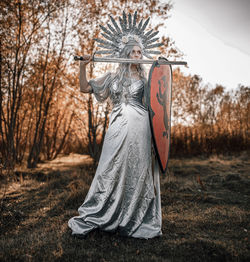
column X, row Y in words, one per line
column 84, row 84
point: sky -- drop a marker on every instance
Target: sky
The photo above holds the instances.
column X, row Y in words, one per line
column 214, row 36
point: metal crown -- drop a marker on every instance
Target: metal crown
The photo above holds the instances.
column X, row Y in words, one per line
column 116, row 38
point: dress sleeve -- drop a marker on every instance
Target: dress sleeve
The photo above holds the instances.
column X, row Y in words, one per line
column 101, row 87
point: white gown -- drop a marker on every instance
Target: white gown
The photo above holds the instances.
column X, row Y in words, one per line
column 124, row 194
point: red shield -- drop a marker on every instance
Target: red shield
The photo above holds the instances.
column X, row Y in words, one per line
column 159, row 100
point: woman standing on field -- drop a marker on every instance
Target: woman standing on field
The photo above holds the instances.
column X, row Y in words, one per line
column 123, row 195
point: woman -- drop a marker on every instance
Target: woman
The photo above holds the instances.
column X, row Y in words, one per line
column 123, row 195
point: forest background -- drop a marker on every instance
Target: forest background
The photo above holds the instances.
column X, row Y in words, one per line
column 42, row 112
column 48, row 128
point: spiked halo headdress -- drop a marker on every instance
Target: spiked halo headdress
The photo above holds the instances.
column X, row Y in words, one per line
column 116, row 38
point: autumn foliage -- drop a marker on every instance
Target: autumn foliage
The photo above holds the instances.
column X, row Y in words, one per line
column 208, row 120
column 42, row 112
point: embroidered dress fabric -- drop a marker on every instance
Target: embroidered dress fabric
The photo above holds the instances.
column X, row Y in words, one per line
column 125, row 192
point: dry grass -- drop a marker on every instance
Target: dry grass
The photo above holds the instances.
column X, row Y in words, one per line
column 205, row 205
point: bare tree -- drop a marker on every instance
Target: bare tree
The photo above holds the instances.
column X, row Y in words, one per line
column 20, row 22
column 50, row 68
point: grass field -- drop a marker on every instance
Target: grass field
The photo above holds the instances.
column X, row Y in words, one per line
column 205, row 211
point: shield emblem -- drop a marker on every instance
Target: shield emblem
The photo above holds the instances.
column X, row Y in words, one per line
column 159, row 101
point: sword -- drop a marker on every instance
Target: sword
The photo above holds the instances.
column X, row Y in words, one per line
column 160, row 61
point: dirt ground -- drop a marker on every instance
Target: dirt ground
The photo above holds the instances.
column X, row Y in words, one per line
column 205, row 211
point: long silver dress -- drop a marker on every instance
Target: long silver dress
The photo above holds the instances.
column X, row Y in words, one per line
column 125, row 192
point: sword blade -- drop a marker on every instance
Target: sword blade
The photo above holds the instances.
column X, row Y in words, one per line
column 133, row 61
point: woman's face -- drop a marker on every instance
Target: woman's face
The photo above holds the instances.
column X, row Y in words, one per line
column 135, row 53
